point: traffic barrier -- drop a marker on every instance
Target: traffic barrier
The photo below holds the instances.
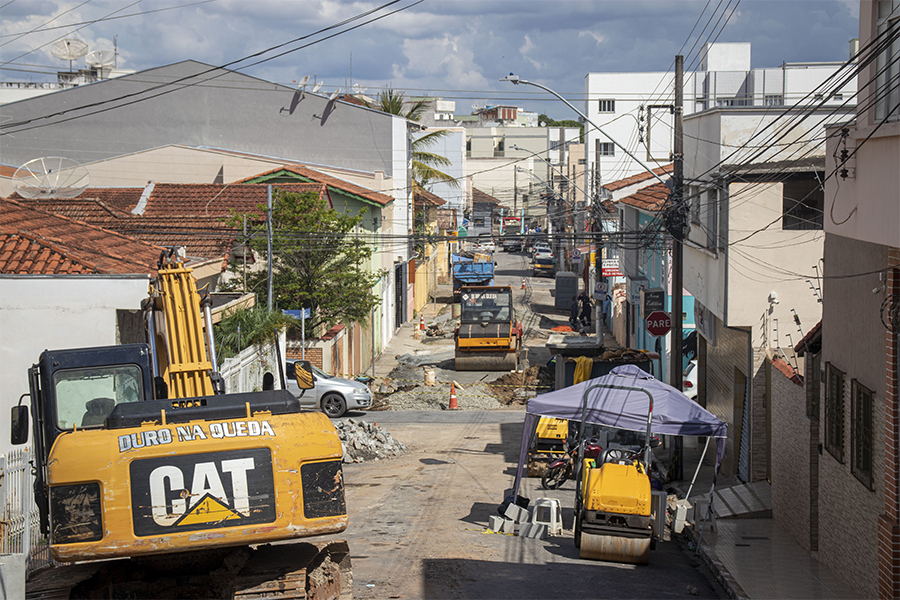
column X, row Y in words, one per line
column 422, row 322
column 523, row 283
column 453, row 404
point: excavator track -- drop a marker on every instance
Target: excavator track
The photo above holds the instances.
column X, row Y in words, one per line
column 294, row 570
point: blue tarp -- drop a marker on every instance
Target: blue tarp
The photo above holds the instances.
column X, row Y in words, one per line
column 673, row 412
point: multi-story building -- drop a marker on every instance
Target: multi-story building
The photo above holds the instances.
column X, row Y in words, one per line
column 858, row 414
column 635, row 109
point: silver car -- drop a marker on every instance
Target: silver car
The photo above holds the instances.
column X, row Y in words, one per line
column 334, row 395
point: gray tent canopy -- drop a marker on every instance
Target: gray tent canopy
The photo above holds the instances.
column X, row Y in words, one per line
column 603, row 402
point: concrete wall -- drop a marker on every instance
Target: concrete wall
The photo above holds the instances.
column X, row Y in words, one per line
column 729, row 353
column 790, row 448
column 40, row 313
column 453, row 148
column 853, row 312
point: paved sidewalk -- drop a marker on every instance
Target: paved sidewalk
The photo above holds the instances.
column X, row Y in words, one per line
column 756, row 558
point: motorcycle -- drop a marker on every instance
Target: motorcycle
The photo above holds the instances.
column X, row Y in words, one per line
column 558, row 471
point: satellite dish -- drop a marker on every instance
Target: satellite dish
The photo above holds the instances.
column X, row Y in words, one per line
column 334, row 95
column 317, row 86
column 302, row 84
column 101, row 58
column 70, row 49
column 50, row 177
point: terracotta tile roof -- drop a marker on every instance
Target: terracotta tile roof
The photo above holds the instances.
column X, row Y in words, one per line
column 334, row 182
column 622, row 183
column 811, row 342
column 483, row 198
column 787, row 370
column 7, row 171
column 189, row 215
column 651, row 198
column 424, row 197
column 34, row 241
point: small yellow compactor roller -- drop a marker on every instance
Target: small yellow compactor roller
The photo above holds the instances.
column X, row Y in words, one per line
column 614, row 522
column 613, row 518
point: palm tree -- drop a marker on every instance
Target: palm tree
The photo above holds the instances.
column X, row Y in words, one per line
column 425, row 165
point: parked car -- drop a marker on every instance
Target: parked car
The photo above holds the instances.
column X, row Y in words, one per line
column 541, row 247
column 334, row 395
column 511, row 243
column 689, row 380
column 544, row 264
column 487, row 246
column 542, row 253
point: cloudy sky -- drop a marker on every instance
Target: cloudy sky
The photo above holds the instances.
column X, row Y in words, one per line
column 456, row 49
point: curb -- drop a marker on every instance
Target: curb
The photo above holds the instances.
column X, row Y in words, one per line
column 718, row 569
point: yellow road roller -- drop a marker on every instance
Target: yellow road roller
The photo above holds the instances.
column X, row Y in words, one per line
column 489, row 338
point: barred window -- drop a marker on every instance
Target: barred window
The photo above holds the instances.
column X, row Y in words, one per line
column 834, row 411
column 861, row 443
column 607, row 106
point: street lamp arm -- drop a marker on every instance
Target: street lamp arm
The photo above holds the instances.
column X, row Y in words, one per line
column 516, row 80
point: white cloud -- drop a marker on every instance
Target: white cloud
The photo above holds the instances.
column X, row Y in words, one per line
column 527, row 46
column 599, row 38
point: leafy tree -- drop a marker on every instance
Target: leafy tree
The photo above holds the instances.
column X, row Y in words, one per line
column 317, row 262
column 244, row 327
column 426, row 166
column 542, row 118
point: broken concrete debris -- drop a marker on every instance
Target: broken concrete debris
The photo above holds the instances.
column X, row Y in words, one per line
column 362, row 441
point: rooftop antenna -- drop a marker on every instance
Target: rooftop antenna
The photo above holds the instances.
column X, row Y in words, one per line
column 50, row 177
column 69, row 49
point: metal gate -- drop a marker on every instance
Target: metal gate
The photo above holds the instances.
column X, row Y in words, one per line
column 20, row 521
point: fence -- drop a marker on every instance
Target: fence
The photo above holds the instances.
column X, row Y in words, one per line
column 19, row 521
column 244, row 372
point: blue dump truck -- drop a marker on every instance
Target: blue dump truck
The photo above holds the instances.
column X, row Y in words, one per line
column 469, row 271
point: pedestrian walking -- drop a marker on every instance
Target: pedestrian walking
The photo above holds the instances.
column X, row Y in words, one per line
column 585, row 301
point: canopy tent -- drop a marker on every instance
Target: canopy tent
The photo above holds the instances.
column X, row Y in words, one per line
column 622, row 399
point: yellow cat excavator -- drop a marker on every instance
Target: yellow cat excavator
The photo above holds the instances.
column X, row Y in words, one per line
column 168, row 486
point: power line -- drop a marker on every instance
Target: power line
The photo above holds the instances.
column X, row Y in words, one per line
column 132, row 98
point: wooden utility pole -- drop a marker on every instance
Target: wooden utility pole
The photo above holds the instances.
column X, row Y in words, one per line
column 678, row 250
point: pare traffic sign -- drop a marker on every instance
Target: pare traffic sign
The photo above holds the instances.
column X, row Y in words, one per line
column 658, row 323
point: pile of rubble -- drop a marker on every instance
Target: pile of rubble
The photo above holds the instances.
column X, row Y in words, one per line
column 362, row 441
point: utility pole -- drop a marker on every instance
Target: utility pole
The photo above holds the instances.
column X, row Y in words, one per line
column 678, row 250
column 269, row 245
column 515, row 188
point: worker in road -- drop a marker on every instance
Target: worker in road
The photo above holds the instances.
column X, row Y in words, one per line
column 585, row 301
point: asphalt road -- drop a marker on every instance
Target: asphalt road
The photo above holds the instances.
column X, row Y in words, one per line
column 418, row 523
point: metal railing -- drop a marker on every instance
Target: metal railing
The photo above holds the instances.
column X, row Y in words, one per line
column 19, row 520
